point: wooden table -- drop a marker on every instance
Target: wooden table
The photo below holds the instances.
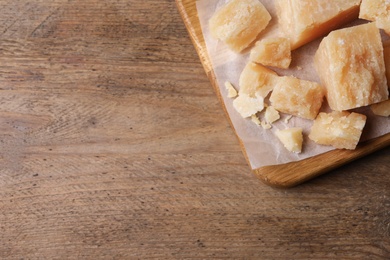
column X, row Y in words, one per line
column 113, row 145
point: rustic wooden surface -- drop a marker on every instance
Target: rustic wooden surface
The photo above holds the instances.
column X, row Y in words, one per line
column 113, row 145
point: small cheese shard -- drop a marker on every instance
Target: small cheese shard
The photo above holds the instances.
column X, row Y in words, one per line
column 255, row 120
column 265, row 125
column 291, row 138
column 341, row 130
column 271, row 114
column 351, row 66
column 256, row 79
column 275, row 52
column 232, row 92
column 382, row 108
column 248, row 106
column 297, row 97
column 305, row 20
column 239, row 22
column 377, row 11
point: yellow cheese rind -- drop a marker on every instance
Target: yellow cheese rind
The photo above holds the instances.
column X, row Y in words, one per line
column 256, row 80
column 382, row 108
column 239, row 22
column 341, row 130
column 377, row 11
column 305, row 20
column 351, row 66
column 291, row 138
column 275, row 52
column 297, row 97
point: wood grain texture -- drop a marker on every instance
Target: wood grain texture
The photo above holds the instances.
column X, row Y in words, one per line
column 289, row 174
column 113, row 145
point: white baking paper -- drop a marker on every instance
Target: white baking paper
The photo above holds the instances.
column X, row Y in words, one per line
column 261, row 146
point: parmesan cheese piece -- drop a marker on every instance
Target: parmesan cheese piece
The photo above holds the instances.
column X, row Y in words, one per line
column 255, row 120
column 341, row 130
column 382, row 108
column 297, row 97
column 271, row 114
column 265, row 125
column 305, row 20
column 232, row 92
column 248, row 106
column 291, row 138
column 256, row 79
column 239, row 22
column 377, row 11
column 275, row 52
column 351, row 66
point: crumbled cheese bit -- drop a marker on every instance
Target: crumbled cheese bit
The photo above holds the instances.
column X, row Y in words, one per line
column 271, row 114
column 291, row 138
column 265, row 125
column 248, row 106
column 287, row 119
column 255, row 120
column 232, row 92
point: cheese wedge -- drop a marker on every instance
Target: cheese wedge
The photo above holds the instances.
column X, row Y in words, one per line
column 256, row 80
column 305, row 20
column 297, row 97
column 275, row 52
column 377, row 11
column 239, row 22
column 291, row 138
column 341, row 130
column 351, row 66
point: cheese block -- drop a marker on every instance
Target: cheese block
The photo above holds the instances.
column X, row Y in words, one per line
column 275, row 52
column 341, row 130
column 297, row 97
column 271, row 115
column 351, row 66
column 377, row 11
column 239, row 22
column 256, row 79
column 291, row 138
column 382, row 108
column 305, row 20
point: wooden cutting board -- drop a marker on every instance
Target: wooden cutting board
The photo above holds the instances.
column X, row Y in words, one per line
column 283, row 175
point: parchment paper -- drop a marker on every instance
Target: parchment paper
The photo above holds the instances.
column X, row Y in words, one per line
column 261, row 146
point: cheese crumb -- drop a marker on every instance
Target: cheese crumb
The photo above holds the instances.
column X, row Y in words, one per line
column 255, row 120
column 265, row 125
column 291, row 138
column 271, row 114
column 287, row 119
column 248, row 106
column 232, row 92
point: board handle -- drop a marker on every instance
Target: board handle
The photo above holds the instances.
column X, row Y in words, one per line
column 294, row 173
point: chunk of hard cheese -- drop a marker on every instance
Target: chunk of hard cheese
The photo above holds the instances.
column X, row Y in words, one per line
column 275, row 52
column 271, row 115
column 305, row 20
column 377, row 11
column 341, row 130
column 239, row 22
column 291, row 138
column 256, row 79
column 297, row 97
column 248, row 106
column 351, row 66
column 382, row 108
